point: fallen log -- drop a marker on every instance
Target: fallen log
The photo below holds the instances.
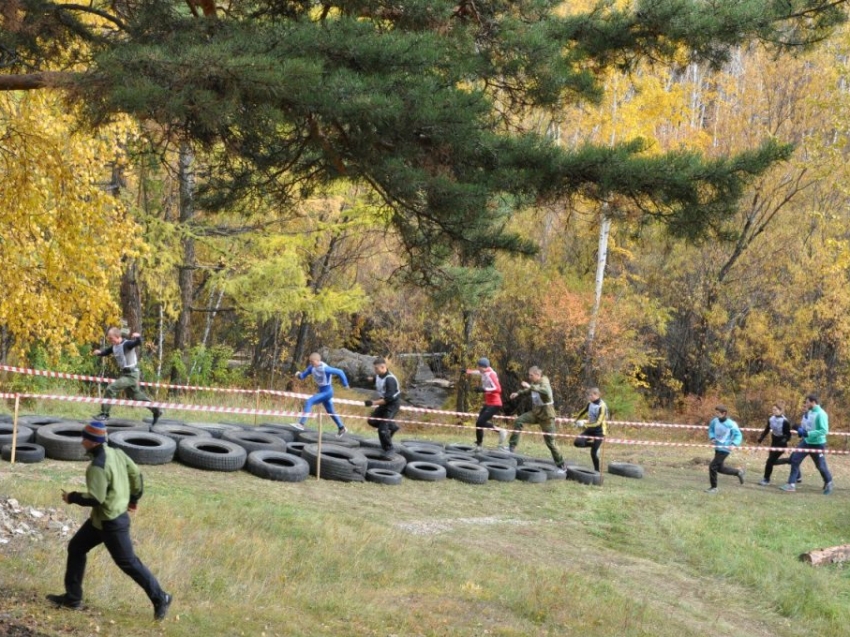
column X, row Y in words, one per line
column 831, row 555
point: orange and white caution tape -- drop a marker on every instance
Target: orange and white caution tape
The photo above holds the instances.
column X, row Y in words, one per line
column 346, row 401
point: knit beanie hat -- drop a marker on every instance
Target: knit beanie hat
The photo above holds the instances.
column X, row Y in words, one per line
column 483, row 362
column 95, row 431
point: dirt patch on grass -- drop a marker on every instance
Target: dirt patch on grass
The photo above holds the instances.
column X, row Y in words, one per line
column 16, row 626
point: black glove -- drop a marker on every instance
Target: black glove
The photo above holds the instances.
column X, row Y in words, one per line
column 368, row 403
column 478, row 389
column 74, row 497
column 761, row 439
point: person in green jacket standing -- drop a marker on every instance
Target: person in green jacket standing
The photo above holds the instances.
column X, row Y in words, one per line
column 813, row 438
column 542, row 413
column 113, row 486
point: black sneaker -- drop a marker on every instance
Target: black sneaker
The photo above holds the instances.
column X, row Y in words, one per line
column 63, row 602
column 341, row 432
column 157, row 413
column 101, row 417
column 160, row 608
column 389, row 454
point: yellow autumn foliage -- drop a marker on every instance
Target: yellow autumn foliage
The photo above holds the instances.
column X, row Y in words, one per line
column 62, row 235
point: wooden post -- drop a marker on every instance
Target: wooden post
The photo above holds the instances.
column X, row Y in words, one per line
column 319, row 450
column 15, row 427
column 257, row 405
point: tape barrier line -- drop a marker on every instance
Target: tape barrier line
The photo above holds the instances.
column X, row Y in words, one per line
column 171, row 406
column 607, row 439
column 290, row 414
column 106, row 379
column 348, row 401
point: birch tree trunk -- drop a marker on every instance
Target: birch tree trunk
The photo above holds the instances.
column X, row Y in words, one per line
column 601, row 262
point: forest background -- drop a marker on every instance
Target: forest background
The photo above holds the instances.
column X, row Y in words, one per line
column 109, row 215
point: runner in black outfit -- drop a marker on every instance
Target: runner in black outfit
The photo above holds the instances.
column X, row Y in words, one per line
column 387, row 406
column 779, row 428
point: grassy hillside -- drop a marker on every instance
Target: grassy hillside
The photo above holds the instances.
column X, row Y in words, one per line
column 657, row 556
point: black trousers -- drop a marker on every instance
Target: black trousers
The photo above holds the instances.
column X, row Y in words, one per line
column 775, row 457
column 381, row 419
column 716, row 467
column 594, row 445
column 116, row 537
column 484, row 416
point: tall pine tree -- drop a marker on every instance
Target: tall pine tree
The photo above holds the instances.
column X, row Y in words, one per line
column 421, row 100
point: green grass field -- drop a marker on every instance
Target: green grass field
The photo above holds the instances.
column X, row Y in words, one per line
column 654, row 557
column 244, row 556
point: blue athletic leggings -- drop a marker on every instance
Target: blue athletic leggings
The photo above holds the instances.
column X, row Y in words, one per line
column 324, row 398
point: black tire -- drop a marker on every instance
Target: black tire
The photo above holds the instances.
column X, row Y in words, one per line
column 179, row 432
column 462, row 448
column 424, row 454
column 166, row 421
column 6, row 418
column 27, row 453
column 34, row 420
column 281, row 431
column 276, row 465
column 468, row 472
column 212, row 454
column 552, row 472
column 255, row 440
column 294, row 428
column 370, row 443
column 625, row 469
column 338, row 463
column 8, row 433
column 383, row 476
column 497, row 456
column 62, row 440
column 522, row 459
column 41, row 423
column 584, row 476
column 145, row 447
column 312, row 437
column 500, row 471
column 215, row 429
column 464, row 457
column 413, row 442
column 296, row 448
column 531, row 474
column 115, row 425
column 376, row 459
column 426, row 471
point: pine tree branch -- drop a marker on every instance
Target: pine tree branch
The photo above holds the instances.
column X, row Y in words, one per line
column 35, row 81
column 101, row 14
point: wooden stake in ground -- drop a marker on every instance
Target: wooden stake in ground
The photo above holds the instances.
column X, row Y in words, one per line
column 319, row 451
column 831, row 555
column 15, row 428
